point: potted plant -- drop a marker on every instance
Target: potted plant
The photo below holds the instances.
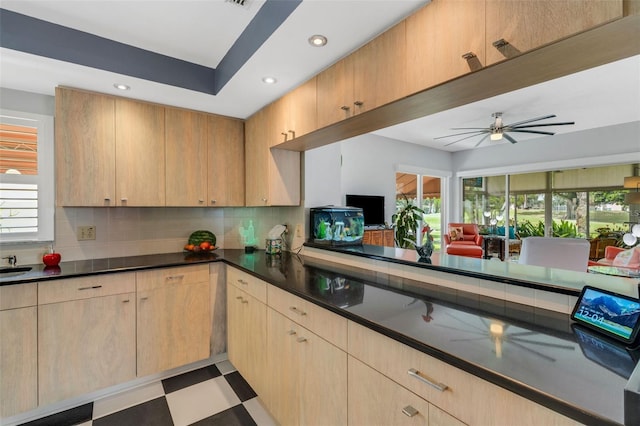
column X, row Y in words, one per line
column 405, row 221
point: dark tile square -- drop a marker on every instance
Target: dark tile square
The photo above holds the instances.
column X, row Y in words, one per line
column 234, row 416
column 240, row 386
column 151, row 413
column 71, row 417
column 191, row 378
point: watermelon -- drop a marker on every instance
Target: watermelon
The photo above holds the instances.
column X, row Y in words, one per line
column 198, row 237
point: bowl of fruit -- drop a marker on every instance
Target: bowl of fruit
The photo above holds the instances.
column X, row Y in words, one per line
column 201, row 242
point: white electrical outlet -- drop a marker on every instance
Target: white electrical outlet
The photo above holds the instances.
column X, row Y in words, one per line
column 85, row 233
column 299, row 230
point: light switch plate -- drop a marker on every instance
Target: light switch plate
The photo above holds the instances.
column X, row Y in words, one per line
column 85, row 233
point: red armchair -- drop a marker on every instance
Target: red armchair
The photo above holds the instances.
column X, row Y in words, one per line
column 471, row 243
column 610, row 253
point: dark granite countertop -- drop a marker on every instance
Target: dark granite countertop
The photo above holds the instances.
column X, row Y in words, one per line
column 539, row 354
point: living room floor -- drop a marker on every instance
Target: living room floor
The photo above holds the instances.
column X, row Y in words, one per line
column 215, row 395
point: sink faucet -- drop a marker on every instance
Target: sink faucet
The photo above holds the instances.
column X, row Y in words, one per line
column 13, row 260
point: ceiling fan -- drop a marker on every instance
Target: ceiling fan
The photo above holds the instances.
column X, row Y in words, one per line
column 497, row 130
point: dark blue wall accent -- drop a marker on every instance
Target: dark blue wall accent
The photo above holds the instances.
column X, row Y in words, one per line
column 42, row 38
column 30, row 35
column 270, row 16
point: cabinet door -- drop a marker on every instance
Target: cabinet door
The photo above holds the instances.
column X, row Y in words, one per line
column 389, row 404
column 528, row 24
column 322, row 381
column 140, row 154
column 256, row 160
column 335, row 92
column 186, row 158
column 85, row 149
column 173, row 325
column 225, row 170
column 438, row 35
column 388, row 238
column 282, row 365
column 379, row 70
column 300, row 108
column 18, row 360
column 85, row 345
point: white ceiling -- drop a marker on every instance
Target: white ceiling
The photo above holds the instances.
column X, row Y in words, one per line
column 202, row 32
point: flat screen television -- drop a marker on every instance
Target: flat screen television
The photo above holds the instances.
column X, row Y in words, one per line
column 372, row 208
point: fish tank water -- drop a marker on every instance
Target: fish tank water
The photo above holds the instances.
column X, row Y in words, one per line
column 336, row 226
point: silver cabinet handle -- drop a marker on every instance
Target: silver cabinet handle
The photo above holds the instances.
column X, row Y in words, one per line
column 143, row 298
column 123, row 199
column 468, row 55
column 297, row 311
column 244, row 301
column 243, row 282
column 291, row 332
column 358, row 103
column 409, row 411
column 125, row 301
column 301, row 339
column 239, row 297
column 107, row 198
column 345, row 108
column 293, row 133
column 499, row 44
column 213, row 201
column 174, row 277
column 90, row 287
column 201, row 200
column 439, row 386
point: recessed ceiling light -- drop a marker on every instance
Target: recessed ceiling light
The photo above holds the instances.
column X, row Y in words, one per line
column 269, row 80
column 317, row 40
column 120, row 86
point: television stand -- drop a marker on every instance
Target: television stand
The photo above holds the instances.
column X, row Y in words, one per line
column 378, row 237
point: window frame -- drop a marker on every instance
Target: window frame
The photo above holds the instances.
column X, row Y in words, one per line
column 44, row 179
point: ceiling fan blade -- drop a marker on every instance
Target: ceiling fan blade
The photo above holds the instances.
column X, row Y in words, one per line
column 466, row 137
column 468, row 128
column 509, row 138
column 531, row 131
column 482, row 140
column 530, row 120
column 477, row 132
column 543, row 125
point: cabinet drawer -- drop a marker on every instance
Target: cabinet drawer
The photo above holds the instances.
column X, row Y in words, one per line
column 18, row 296
column 85, row 287
column 245, row 282
column 467, row 397
column 322, row 322
column 156, row 278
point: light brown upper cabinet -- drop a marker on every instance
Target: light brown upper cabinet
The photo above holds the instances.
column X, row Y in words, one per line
column 186, row 152
column 140, row 154
column 372, row 76
column 85, row 149
column 225, row 173
column 445, row 39
column 296, row 112
column 272, row 177
column 527, row 24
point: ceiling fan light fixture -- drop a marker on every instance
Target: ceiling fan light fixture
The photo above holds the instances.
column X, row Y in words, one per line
column 496, row 136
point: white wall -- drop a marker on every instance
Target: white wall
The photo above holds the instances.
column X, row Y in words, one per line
column 366, row 165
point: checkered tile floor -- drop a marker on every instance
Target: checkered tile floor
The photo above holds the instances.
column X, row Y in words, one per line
column 216, row 395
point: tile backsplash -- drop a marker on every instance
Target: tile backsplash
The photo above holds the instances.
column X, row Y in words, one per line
column 135, row 231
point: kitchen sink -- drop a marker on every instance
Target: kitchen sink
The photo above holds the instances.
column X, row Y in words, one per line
column 10, row 271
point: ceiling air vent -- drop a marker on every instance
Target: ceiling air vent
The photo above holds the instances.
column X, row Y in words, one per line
column 242, row 3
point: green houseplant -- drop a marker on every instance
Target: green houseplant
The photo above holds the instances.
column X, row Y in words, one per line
column 405, row 221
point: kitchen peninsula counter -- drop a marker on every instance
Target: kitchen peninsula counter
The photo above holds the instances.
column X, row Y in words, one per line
column 539, row 354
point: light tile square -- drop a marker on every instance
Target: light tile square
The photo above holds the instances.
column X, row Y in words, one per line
column 258, row 412
column 112, row 404
column 225, row 367
column 202, row 400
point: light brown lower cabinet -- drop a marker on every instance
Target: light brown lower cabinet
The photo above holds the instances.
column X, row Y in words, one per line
column 18, row 349
column 246, row 330
column 85, row 344
column 378, row 400
column 307, row 375
column 173, row 318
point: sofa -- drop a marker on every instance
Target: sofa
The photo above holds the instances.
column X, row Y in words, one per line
column 463, row 239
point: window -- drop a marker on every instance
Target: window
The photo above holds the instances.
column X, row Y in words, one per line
column 26, row 177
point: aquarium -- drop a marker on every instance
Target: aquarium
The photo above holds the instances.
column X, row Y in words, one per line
column 336, row 226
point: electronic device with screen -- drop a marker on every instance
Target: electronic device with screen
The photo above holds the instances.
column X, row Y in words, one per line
column 372, row 207
column 614, row 315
